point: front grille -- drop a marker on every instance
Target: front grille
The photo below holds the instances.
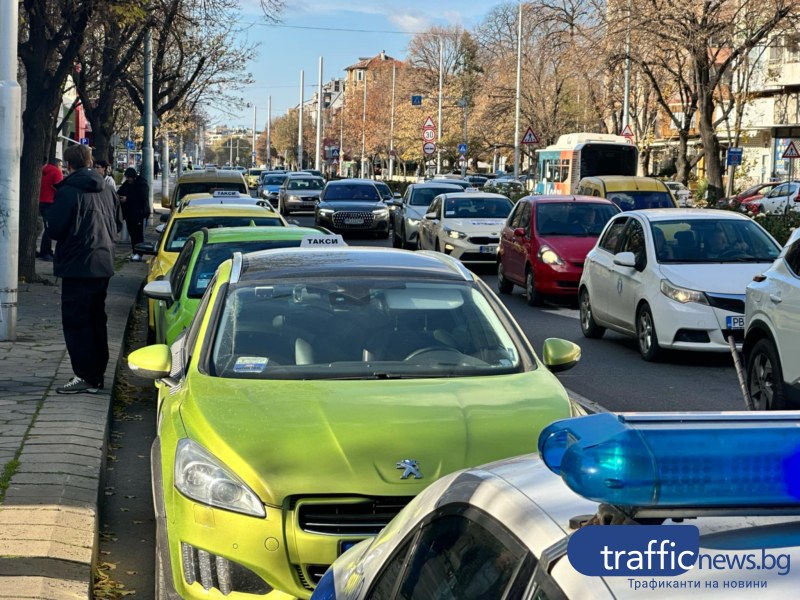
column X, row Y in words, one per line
column 365, row 218
column 738, row 335
column 485, row 240
column 350, row 519
column 219, row 573
column 302, row 577
column 730, row 302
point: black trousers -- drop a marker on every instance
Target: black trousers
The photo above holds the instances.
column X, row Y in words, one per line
column 135, row 231
column 83, row 318
column 46, row 247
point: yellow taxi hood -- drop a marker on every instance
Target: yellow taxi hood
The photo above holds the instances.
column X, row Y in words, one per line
column 348, row 437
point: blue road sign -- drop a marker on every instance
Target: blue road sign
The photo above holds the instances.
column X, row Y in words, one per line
column 334, row 153
column 734, row 157
column 416, row 100
column 85, row 141
column 130, row 145
column 462, row 148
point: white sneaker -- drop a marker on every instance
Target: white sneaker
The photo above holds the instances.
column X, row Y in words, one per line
column 136, row 258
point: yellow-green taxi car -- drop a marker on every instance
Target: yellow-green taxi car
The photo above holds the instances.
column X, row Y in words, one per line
column 183, row 223
column 179, row 293
column 252, row 177
column 314, row 394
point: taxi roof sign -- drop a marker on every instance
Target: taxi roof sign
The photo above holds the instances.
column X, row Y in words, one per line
column 322, row 241
column 226, row 193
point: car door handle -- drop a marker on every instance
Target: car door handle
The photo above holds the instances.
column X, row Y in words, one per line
column 775, row 298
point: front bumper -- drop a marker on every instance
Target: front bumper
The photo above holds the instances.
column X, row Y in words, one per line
column 467, row 252
column 302, row 203
column 692, row 326
column 557, row 280
column 353, row 221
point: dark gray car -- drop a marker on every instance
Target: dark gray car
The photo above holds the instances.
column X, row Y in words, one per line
column 351, row 205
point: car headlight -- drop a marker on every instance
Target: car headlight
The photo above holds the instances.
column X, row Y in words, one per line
column 549, row 257
column 412, row 222
column 326, row 212
column 456, row 235
column 381, row 212
column 680, row 294
column 294, row 198
column 202, row 477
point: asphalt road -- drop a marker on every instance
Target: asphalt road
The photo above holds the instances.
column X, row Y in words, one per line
column 611, row 372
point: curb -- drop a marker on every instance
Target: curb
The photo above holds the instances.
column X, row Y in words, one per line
column 49, row 520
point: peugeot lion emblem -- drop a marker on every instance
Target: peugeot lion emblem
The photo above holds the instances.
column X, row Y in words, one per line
column 410, row 467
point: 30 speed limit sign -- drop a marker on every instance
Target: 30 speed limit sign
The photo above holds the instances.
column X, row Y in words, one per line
column 429, row 135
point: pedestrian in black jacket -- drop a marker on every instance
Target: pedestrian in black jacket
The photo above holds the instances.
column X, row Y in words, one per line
column 134, row 194
column 84, row 220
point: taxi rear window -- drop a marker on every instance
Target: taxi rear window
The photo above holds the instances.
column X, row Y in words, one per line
column 183, row 228
column 209, row 187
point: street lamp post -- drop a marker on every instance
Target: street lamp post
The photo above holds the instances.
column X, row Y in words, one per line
column 439, row 124
column 517, row 102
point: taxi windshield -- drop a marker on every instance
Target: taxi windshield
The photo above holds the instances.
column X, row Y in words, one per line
column 477, row 208
column 212, row 256
column 183, row 228
column 379, row 328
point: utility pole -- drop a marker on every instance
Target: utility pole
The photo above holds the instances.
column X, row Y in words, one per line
column 341, row 143
column 439, row 124
column 230, row 148
column 269, row 132
column 626, row 115
column 391, row 126
column 253, row 145
column 147, row 145
column 318, row 148
column 364, row 129
column 10, row 151
column 300, row 123
column 464, row 103
column 164, row 163
column 517, row 103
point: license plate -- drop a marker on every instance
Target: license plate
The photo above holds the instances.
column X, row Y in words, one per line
column 488, row 249
column 354, row 221
column 734, row 322
column 345, row 545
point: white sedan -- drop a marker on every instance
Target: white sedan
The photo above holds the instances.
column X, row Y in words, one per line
column 465, row 225
column 673, row 278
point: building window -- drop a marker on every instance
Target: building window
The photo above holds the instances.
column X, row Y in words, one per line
column 360, row 75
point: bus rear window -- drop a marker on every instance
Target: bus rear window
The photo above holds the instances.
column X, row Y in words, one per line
column 608, row 159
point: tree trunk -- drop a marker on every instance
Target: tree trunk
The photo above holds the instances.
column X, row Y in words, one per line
column 682, row 166
column 705, row 109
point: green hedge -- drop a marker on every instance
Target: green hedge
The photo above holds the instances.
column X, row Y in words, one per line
column 779, row 226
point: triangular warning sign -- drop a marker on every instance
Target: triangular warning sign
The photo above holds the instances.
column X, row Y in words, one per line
column 791, row 151
column 429, row 124
column 530, row 137
column 627, row 131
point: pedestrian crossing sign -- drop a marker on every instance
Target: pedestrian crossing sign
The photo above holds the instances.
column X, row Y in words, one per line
column 530, row 137
column 791, row 151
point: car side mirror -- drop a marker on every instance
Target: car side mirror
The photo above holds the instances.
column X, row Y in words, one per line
column 145, row 248
column 152, row 362
column 431, row 216
column 625, row 259
column 560, row 355
column 161, row 289
column 163, row 218
column 519, row 232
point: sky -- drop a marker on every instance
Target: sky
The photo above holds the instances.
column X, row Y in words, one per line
column 290, row 47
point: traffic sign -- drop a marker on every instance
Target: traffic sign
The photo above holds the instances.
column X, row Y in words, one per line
column 530, row 137
column 627, row 131
column 429, row 148
column 416, row 100
column 791, row 151
column 334, row 153
column 85, row 141
column 429, row 124
column 462, row 148
column 429, row 135
column 734, row 157
column 254, row 153
column 130, row 145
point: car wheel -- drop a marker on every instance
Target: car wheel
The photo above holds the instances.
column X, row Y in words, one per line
column 382, row 235
column 646, row 334
column 532, row 297
column 397, row 240
column 439, row 246
column 589, row 327
column 765, row 377
column 504, row 286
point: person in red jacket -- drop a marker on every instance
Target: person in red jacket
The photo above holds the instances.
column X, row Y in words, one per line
column 51, row 175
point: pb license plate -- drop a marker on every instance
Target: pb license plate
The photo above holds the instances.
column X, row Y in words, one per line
column 735, row 322
column 488, row 249
column 354, row 221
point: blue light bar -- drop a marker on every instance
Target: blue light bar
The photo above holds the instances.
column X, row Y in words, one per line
column 673, row 460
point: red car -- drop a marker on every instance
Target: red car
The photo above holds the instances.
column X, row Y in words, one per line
column 545, row 241
column 748, row 198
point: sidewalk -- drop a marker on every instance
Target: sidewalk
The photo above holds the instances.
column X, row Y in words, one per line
column 52, row 447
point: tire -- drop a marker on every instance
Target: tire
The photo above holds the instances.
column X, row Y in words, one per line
column 382, row 235
column 397, row 240
column 532, row 297
column 589, row 326
column 765, row 377
column 646, row 336
column 504, row 286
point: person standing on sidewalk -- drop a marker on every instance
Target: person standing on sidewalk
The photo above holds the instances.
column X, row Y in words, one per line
column 134, row 194
column 51, row 175
column 84, row 220
column 102, row 168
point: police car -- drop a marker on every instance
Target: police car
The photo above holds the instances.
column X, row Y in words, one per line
column 603, row 511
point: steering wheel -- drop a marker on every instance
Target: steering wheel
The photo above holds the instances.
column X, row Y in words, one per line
column 427, row 349
column 731, row 252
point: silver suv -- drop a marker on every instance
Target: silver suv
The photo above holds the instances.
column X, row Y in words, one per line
column 772, row 331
